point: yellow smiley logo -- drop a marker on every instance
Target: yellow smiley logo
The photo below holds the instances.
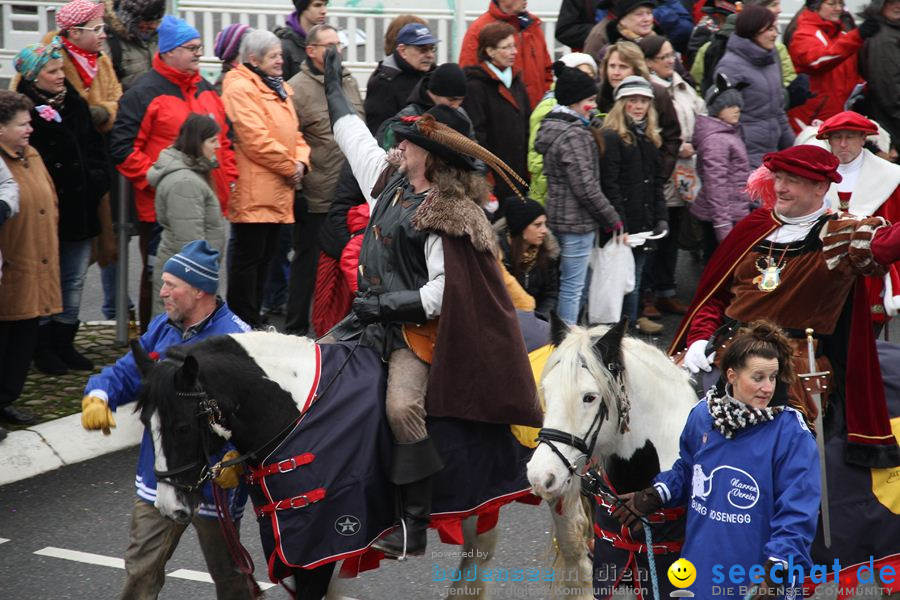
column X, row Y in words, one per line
column 682, row 573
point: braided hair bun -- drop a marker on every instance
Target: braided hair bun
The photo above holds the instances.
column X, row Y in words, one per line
column 764, row 339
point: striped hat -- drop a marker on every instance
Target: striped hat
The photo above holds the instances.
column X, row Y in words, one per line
column 197, row 264
column 77, row 12
column 634, row 86
column 228, row 41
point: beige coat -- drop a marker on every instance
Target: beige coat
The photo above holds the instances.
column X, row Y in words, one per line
column 268, row 144
column 327, row 159
column 29, row 244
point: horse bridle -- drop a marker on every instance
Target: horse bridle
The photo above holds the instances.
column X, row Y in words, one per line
column 209, row 408
column 583, row 466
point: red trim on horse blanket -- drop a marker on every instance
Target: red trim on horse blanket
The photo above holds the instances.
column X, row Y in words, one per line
column 345, row 429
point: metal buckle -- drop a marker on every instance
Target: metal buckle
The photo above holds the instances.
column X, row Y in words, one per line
column 288, row 464
column 300, row 501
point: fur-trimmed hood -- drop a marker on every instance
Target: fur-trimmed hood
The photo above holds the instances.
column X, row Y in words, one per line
column 112, row 19
column 457, row 217
column 550, row 244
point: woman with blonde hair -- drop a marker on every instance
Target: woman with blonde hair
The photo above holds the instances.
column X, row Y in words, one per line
column 632, row 177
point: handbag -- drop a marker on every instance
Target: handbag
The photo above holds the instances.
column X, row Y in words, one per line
column 687, row 182
column 612, row 276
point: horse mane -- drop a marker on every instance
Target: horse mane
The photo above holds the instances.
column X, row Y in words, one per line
column 158, row 391
column 662, row 388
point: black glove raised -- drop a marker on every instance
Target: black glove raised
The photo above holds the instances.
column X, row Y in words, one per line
column 869, row 28
column 338, row 105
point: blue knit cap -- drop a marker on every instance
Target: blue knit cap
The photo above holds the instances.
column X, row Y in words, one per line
column 174, row 32
column 197, row 264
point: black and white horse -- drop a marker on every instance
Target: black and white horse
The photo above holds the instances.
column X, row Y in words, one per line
column 615, row 402
column 256, row 390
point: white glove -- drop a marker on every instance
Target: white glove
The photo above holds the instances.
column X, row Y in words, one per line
column 696, row 358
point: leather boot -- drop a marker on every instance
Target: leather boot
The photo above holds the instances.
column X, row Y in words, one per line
column 412, row 468
column 45, row 358
column 64, row 347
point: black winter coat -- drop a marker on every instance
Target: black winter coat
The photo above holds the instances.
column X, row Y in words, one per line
column 631, row 179
column 293, row 50
column 75, row 156
column 576, row 19
column 389, row 87
column 542, row 284
column 670, row 129
column 333, row 234
column 500, row 118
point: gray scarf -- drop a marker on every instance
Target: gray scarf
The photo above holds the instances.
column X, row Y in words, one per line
column 730, row 415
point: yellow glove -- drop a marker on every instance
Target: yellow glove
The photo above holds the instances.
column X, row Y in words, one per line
column 229, row 477
column 95, row 414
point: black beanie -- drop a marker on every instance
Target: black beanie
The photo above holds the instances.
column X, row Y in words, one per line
column 448, row 80
column 572, row 85
column 521, row 213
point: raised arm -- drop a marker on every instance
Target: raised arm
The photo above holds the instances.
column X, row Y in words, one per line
column 365, row 156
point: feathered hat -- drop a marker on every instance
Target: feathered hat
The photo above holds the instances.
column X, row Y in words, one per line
column 442, row 131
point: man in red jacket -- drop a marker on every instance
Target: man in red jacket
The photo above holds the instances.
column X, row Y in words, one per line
column 533, row 61
column 150, row 115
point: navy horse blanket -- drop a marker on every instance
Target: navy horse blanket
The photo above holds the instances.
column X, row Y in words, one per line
column 324, row 494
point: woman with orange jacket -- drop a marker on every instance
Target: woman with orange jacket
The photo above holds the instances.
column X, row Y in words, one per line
column 272, row 158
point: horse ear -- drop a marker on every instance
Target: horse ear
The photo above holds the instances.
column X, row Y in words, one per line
column 559, row 329
column 609, row 347
column 141, row 358
column 188, row 371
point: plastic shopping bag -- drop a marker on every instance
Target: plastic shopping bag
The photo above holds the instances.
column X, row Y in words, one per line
column 612, row 277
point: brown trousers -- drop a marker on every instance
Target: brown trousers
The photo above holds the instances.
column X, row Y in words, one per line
column 153, row 541
column 405, row 402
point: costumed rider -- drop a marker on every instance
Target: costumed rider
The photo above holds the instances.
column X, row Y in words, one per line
column 870, row 185
column 747, row 470
column 429, row 252
column 193, row 312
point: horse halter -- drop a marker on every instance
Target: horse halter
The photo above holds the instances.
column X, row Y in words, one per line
column 209, row 408
column 582, row 467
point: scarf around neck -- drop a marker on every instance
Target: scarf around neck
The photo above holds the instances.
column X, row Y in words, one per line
column 505, row 76
column 85, row 62
column 276, row 84
column 731, row 416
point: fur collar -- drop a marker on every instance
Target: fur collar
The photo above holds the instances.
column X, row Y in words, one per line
column 456, row 217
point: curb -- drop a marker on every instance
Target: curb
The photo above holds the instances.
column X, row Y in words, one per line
column 61, row 442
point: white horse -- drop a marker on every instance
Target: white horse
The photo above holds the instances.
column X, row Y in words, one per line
column 617, row 401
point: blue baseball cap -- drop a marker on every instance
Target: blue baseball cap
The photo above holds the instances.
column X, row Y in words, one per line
column 416, row 34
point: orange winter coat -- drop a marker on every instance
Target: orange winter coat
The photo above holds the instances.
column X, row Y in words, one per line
column 268, row 144
column 532, row 62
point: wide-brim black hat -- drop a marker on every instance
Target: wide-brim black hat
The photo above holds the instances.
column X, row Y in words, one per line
column 410, row 130
column 443, row 131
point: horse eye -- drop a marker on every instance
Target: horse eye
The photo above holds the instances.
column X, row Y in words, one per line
column 589, row 398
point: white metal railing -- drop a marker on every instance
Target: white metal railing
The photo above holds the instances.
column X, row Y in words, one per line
column 26, row 21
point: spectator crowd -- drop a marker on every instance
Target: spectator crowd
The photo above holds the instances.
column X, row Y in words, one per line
column 652, row 138
column 645, row 134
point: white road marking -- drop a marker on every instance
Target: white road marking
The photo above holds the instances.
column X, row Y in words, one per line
column 3, row 540
column 205, row 577
column 85, row 557
column 118, row 563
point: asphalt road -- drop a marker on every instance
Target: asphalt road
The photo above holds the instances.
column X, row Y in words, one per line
column 85, row 508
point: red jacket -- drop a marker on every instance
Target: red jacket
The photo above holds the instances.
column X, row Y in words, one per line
column 150, row 115
column 828, row 54
column 357, row 221
column 532, row 62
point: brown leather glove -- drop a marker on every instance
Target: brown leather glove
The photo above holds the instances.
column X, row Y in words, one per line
column 768, row 588
column 637, row 504
column 229, row 477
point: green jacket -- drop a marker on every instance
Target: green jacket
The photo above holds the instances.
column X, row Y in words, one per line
column 538, row 189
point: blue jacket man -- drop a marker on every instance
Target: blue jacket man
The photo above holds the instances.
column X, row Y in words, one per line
column 193, row 313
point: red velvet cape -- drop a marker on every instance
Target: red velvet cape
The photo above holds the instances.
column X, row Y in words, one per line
column 870, row 442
